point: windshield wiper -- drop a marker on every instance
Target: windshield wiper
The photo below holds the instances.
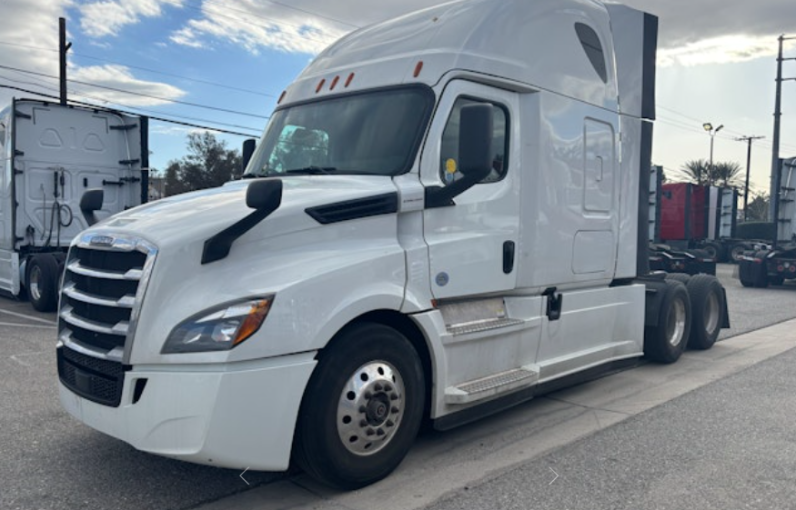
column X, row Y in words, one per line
column 312, row 170
column 252, row 176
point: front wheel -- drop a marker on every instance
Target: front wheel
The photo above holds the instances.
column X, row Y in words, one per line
column 362, row 407
column 41, row 280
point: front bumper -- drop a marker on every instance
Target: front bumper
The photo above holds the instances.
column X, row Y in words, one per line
column 241, row 415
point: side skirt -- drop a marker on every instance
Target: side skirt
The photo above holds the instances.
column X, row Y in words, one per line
column 491, row 407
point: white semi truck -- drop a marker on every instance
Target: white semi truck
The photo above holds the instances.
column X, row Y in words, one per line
column 50, row 157
column 446, row 216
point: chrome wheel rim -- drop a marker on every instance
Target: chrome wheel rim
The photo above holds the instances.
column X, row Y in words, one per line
column 370, row 408
column 712, row 311
column 736, row 254
column 675, row 326
column 35, row 283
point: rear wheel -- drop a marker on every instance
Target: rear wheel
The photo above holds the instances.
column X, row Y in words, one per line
column 712, row 250
column 679, row 277
column 736, row 252
column 707, row 311
column 41, row 280
column 362, row 407
column 665, row 342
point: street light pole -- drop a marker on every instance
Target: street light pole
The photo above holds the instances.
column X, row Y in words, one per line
column 749, row 140
column 707, row 126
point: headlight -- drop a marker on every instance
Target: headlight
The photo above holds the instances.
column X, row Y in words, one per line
column 218, row 329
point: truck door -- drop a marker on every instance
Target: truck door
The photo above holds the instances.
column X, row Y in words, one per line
column 472, row 243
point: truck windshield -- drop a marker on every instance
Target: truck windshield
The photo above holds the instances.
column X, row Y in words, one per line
column 375, row 133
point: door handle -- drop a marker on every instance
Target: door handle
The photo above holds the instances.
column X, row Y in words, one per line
column 508, row 257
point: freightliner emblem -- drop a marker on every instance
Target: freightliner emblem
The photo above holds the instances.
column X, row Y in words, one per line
column 102, row 240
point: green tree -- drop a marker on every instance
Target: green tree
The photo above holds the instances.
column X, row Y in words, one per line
column 723, row 173
column 758, row 208
column 697, row 171
column 727, row 174
column 208, row 164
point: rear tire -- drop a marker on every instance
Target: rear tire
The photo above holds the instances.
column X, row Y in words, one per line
column 666, row 342
column 713, row 250
column 736, row 252
column 707, row 311
column 679, row 277
column 362, row 408
column 41, row 281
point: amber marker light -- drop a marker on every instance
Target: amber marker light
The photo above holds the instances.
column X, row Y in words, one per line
column 281, row 97
column 320, row 85
column 334, row 83
column 418, row 68
column 253, row 320
column 349, row 79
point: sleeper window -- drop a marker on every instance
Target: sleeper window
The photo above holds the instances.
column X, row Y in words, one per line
column 449, row 151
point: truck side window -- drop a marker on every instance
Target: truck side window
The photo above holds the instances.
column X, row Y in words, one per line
column 449, row 151
column 594, row 50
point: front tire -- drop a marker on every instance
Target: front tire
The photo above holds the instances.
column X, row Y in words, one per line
column 362, row 408
column 41, row 281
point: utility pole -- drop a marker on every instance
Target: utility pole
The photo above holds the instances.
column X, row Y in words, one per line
column 63, row 47
column 777, row 115
column 749, row 140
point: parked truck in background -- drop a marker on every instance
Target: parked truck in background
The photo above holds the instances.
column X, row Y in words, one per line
column 441, row 220
column 691, row 217
column 51, row 155
column 775, row 264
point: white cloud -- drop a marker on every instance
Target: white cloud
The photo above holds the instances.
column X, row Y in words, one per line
column 691, row 32
column 720, row 50
column 258, row 26
column 30, row 35
column 120, row 77
column 107, row 17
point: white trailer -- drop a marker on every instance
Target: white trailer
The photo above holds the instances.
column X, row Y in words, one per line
column 446, row 216
column 50, row 156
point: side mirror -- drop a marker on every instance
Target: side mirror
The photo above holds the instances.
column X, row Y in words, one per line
column 246, row 153
column 475, row 154
column 264, row 194
column 90, row 202
column 475, row 141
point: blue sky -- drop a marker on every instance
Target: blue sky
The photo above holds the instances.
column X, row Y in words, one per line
column 716, row 63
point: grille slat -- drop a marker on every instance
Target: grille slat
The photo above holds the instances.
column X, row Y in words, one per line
column 99, row 305
column 95, row 379
column 76, row 267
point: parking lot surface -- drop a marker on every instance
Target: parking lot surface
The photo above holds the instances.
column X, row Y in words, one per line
column 51, row 461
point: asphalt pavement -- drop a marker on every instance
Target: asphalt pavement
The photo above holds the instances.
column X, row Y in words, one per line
column 729, row 445
column 51, row 461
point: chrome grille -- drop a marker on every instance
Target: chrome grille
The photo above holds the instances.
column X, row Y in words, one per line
column 103, row 286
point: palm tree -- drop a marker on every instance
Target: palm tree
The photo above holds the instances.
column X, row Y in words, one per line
column 698, row 171
column 723, row 173
column 727, row 174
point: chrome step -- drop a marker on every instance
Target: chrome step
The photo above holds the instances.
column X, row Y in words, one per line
column 482, row 325
column 479, row 389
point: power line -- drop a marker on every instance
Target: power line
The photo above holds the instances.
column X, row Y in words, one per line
column 312, row 13
column 129, row 107
column 122, row 91
column 272, row 22
column 162, row 119
column 147, row 69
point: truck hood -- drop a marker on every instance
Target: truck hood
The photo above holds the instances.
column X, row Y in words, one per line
column 199, row 215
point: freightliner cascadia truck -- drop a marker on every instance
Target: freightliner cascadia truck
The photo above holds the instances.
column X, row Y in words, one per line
column 445, row 216
column 51, row 156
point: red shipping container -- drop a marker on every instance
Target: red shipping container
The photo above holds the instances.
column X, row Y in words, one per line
column 684, row 212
